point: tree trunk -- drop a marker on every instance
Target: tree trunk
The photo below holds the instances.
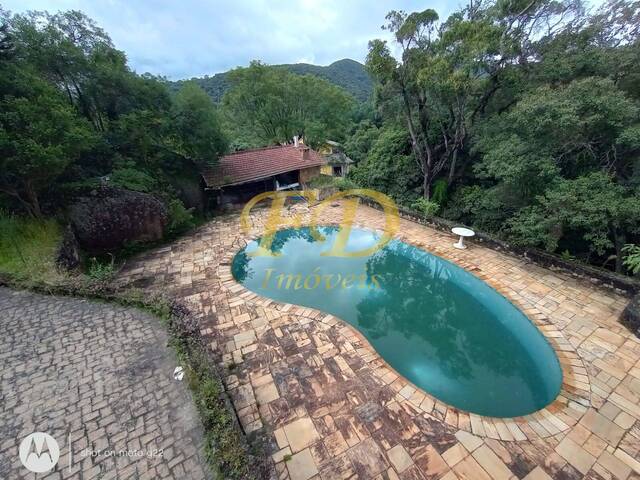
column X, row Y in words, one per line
column 619, row 240
column 427, row 178
column 32, row 201
column 426, row 186
column 452, row 168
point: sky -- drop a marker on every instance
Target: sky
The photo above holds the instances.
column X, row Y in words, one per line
column 186, row 38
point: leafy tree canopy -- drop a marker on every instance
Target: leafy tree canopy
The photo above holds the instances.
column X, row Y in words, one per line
column 271, row 105
column 74, row 114
column 197, row 125
column 40, row 136
column 523, row 114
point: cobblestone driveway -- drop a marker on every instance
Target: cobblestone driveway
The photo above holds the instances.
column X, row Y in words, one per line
column 96, row 377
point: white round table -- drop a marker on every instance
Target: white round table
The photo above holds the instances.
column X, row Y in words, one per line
column 462, row 232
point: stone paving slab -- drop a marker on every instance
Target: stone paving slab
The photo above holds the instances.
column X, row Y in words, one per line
column 96, row 377
column 334, row 409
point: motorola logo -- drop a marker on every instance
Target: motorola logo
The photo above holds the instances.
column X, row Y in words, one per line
column 39, row 452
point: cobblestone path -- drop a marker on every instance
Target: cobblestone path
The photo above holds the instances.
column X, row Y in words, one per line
column 98, row 378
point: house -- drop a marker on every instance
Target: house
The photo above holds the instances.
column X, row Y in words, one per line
column 338, row 163
column 240, row 176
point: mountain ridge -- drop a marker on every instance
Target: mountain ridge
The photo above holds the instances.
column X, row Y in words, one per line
column 346, row 73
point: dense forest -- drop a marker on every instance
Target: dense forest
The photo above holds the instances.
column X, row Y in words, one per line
column 345, row 73
column 519, row 118
column 74, row 115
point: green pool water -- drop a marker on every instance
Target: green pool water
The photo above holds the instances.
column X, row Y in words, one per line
column 436, row 324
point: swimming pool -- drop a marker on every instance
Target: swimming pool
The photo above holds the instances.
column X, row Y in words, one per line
column 439, row 326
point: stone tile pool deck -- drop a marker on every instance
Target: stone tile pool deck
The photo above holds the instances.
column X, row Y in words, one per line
column 333, row 409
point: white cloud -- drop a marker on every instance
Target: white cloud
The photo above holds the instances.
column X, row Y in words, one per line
column 197, row 37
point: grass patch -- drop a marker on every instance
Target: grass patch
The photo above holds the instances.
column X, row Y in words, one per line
column 226, row 450
column 28, row 248
column 101, row 271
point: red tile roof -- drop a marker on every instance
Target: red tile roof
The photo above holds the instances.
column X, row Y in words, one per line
column 252, row 165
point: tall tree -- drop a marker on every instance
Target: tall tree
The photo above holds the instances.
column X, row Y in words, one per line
column 449, row 71
column 72, row 52
column 198, row 126
column 593, row 210
column 40, row 136
column 62, row 48
column 272, row 105
column 6, row 44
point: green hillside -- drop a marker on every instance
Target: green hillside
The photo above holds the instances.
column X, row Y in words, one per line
column 346, row 73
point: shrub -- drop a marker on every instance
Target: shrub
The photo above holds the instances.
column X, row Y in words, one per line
column 323, row 181
column 483, row 208
column 390, row 167
column 129, row 177
column 566, row 255
column 101, row 271
column 345, row 184
column 28, row 247
column 632, row 258
column 440, row 188
column 180, row 218
column 425, row 207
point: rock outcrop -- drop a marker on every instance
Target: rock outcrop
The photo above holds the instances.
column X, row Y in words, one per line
column 110, row 218
column 631, row 315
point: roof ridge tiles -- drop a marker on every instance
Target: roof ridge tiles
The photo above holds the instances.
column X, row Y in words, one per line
column 248, row 150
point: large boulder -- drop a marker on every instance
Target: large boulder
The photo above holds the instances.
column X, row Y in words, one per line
column 109, row 217
column 631, row 315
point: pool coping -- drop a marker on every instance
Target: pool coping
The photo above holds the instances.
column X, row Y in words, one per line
column 566, row 410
